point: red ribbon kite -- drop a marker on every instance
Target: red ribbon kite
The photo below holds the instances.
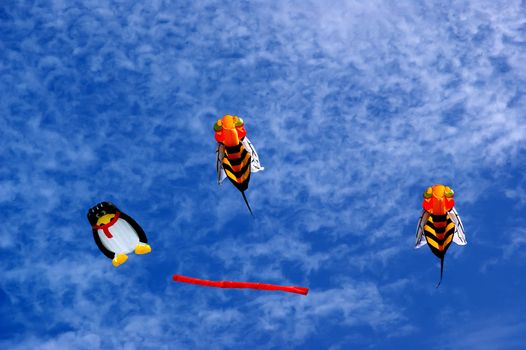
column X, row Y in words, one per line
column 232, row 284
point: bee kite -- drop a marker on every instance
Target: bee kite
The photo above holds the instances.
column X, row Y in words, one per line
column 236, row 156
column 439, row 224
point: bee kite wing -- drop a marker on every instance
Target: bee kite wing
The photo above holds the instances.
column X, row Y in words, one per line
column 420, row 237
column 220, row 154
column 459, row 237
column 255, row 165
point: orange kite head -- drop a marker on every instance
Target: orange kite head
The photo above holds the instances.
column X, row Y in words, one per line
column 438, row 199
column 229, row 130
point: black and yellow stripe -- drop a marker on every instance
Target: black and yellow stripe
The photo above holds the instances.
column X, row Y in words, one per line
column 237, row 166
column 439, row 231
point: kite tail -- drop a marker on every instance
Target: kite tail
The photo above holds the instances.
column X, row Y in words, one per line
column 246, row 202
column 441, row 271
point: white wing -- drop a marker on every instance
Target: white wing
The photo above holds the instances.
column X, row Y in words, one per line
column 255, row 165
column 220, row 154
column 459, row 237
column 420, row 237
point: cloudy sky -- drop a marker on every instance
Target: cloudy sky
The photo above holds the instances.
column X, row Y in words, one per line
column 355, row 108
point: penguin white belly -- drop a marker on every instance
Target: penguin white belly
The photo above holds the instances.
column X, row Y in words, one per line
column 124, row 239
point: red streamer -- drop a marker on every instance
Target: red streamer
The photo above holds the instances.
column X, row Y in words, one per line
column 232, row 284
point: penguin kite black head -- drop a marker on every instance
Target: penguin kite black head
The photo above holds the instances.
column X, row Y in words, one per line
column 99, row 210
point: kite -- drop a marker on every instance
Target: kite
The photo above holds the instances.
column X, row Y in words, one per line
column 116, row 234
column 236, row 156
column 439, row 224
column 232, row 284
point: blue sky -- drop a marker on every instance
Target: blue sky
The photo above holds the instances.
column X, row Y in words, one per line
column 355, row 108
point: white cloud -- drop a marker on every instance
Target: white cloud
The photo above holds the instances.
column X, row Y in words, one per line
column 485, row 334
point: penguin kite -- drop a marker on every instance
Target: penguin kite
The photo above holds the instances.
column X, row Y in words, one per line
column 236, row 156
column 116, row 234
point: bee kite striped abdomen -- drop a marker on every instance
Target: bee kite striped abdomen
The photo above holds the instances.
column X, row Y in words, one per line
column 439, row 230
column 237, row 166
